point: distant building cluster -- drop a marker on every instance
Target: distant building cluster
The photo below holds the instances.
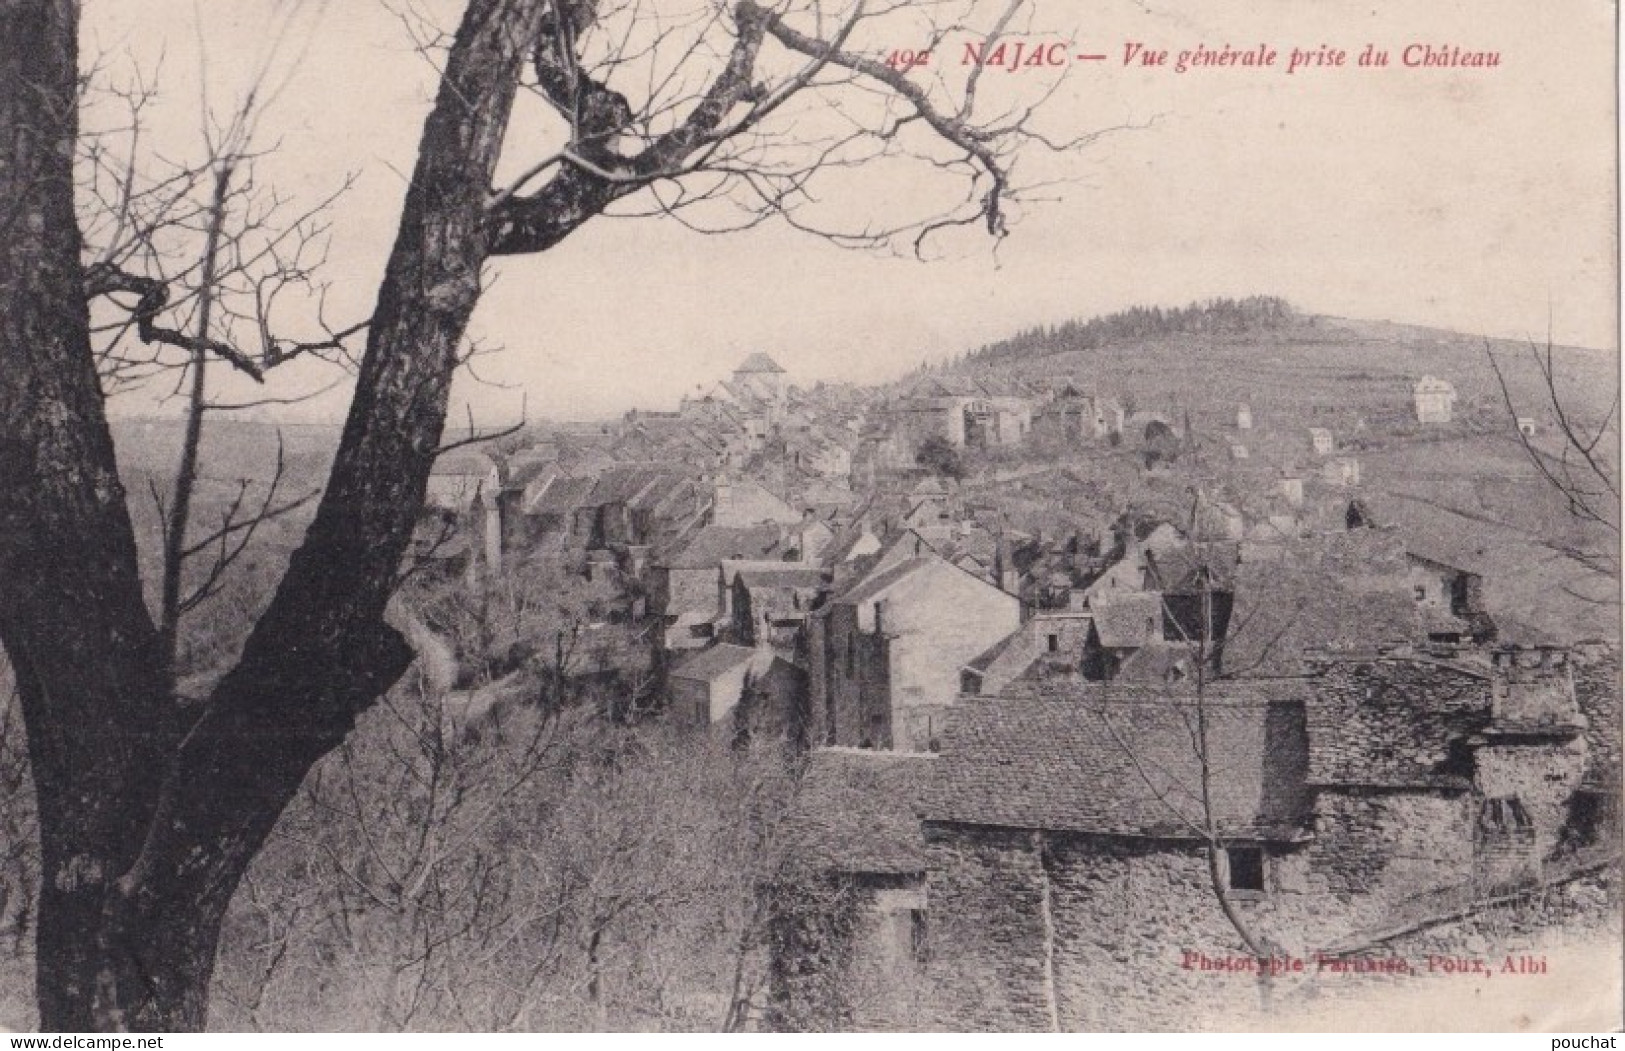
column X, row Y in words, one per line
column 1052, row 726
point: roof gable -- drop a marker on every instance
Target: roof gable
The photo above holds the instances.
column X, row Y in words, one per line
column 758, row 363
column 708, row 665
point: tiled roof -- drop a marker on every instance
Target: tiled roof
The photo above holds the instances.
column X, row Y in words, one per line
column 985, row 660
column 712, row 545
column 873, row 586
column 1121, row 768
column 523, row 472
column 1074, row 689
column 785, row 577
column 464, row 464
column 1434, row 533
column 1158, row 661
column 1178, row 568
column 1341, row 591
column 758, row 362
column 1125, row 619
column 856, row 812
column 709, row 664
column 562, row 496
column 634, row 484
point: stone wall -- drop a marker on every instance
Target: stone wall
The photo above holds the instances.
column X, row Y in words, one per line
column 1542, row 776
column 1111, row 933
column 986, row 959
column 1134, row 922
column 1394, row 721
column 856, row 701
column 1597, row 692
column 935, row 622
column 847, row 954
column 1029, row 932
column 675, row 590
column 1374, row 849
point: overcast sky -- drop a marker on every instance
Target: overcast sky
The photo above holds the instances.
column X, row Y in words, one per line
column 1477, row 200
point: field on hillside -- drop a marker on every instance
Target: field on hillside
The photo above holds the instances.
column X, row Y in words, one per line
column 1319, row 371
column 1467, row 487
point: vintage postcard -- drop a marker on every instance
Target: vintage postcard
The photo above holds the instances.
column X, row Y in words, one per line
column 809, row 515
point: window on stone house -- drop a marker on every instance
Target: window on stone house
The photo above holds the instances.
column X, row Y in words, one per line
column 1505, row 816
column 1246, row 865
column 1587, row 819
column 917, row 934
column 1421, row 592
column 1054, row 643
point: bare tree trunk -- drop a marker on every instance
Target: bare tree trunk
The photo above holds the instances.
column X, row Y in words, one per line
column 74, row 622
column 148, row 826
column 150, row 813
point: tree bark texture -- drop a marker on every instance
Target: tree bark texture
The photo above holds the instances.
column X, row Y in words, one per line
column 151, row 814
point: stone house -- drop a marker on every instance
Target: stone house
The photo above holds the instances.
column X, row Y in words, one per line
column 1450, row 599
column 684, row 584
column 1069, row 867
column 1057, row 638
column 916, row 420
column 610, row 508
column 1448, row 561
column 886, row 653
column 550, row 512
column 770, row 603
column 1066, row 858
column 459, row 478
column 963, row 412
column 1003, row 420
column 763, row 378
column 640, row 505
column 704, row 689
column 849, row 936
column 1438, row 772
column 738, row 690
column 1435, row 400
column 1120, row 624
column 1073, row 415
column 1338, row 591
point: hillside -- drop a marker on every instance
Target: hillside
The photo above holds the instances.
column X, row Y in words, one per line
column 1469, row 484
column 1337, row 370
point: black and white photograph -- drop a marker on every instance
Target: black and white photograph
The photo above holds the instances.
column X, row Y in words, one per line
column 810, row 516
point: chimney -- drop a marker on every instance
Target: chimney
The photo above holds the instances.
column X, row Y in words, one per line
column 1004, row 567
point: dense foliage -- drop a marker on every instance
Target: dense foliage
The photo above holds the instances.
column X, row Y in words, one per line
column 1213, row 317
